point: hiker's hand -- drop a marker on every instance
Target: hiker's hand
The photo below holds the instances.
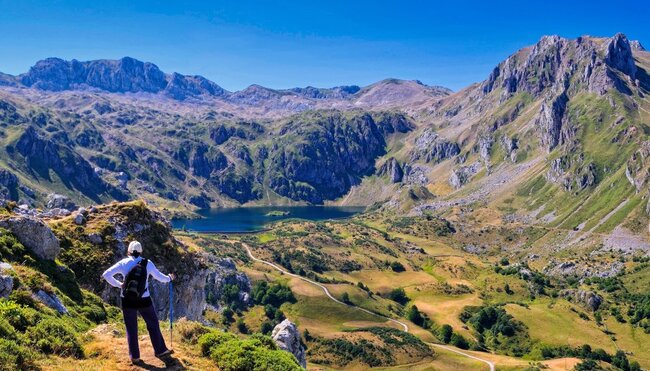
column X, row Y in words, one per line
column 172, row 276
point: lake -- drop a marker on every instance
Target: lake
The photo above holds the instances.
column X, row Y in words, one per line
column 251, row 219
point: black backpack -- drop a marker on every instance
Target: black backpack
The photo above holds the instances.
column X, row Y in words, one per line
column 135, row 282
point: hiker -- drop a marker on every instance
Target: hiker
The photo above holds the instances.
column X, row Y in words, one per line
column 135, row 271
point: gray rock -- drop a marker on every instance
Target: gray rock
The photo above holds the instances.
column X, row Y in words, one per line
column 287, row 337
column 79, row 219
column 416, row 174
column 510, row 146
column 462, row 175
column 51, row 300
column 57, row 201
column 35, row 235
column 392, row 169
column 432, row 148
column 95, row 238
column 8, row 185
column 6, row 281
column 224, row 272
column 619, row 55
column 6, row 285
column 587, row 299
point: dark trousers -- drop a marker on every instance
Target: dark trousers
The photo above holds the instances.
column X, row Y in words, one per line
column 153, row 326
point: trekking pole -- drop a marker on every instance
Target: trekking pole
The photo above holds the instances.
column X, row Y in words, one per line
column 171, row 314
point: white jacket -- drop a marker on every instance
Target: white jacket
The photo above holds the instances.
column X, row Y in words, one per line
column 125, row 265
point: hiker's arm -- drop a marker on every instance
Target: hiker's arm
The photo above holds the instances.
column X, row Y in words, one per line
column 109, row 275
column 156, row 274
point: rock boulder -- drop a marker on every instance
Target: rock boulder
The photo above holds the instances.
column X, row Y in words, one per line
column 35, row 235
column 287, row 337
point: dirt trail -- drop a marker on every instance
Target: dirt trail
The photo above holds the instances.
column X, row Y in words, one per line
column 329, row 295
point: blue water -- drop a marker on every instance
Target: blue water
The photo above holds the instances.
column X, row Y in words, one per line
column 250, row 219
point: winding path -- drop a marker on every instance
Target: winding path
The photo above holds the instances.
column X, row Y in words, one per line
column 329, row 295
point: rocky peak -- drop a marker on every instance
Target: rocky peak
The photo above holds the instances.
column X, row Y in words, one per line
column 553, row 62
column 619, row 55
column 117, row 76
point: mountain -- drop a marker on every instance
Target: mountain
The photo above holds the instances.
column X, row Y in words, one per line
column 562, row 107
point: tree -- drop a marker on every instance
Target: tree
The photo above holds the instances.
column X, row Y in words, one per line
column 415, row 316
column 397, row 266
column 241, row 326
column 398, row 295
column 227, row 315
column 459, row 341
column 444, row 333
column 346, row 298
column 267, row 328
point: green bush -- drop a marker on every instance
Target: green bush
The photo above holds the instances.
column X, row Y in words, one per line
column 259, row 352
column 10, row 248
column 15, row 357
column 54, row 336
column 18, row 316
column 213, row 339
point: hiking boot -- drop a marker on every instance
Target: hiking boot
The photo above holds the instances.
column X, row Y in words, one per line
column 166, row 353
column 137, row 361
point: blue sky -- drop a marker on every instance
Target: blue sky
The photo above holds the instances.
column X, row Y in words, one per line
column 283, row 44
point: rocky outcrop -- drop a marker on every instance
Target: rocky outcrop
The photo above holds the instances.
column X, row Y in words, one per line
column 510, row 146
column 462, row 175
column 8, row 185
column 34, row 235
column 551, row 120
column 637, row 169
column 588, row 299
column 430, row 147
column 224, row 272
column 287, row 337
column 392, row 169
column 57, row 201
column 572, row 173
column 51, row 300
column 416, row 174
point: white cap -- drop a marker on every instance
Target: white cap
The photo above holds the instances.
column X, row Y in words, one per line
column 135, row 246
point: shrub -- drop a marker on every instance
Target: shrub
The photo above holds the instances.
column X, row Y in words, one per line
column 53, row 336
column 15, row 357
column 17, row 315
column 346, row 298
column 212, row 339
column 258, row 352
column 10, row 248
column 191, row 331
